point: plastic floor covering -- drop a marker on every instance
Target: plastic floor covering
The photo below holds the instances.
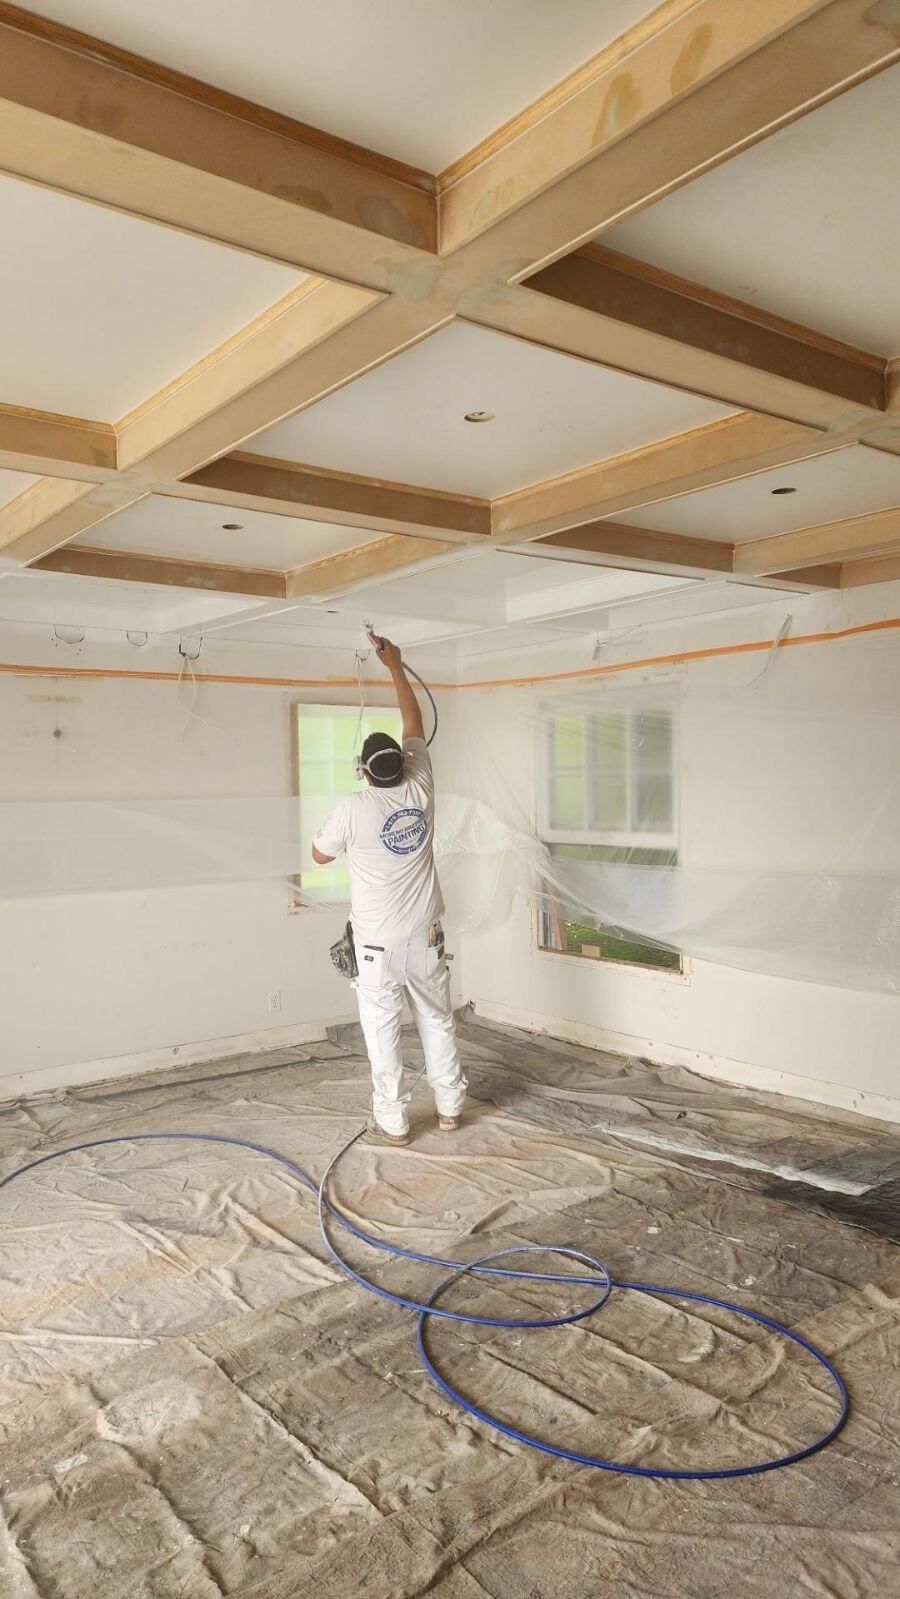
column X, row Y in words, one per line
column 194, row 1402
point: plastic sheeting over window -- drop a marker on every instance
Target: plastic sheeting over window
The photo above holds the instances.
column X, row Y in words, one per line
column 703, row 806
column 732, row 815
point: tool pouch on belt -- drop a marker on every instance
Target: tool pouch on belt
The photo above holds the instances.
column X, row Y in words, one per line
column 343, row 954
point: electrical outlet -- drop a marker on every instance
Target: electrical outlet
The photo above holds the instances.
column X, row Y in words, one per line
column 275, row 999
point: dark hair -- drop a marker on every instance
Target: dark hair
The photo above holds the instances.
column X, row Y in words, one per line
column 383, row 760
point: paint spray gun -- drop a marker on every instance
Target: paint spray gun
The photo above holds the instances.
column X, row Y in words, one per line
column 372, row 637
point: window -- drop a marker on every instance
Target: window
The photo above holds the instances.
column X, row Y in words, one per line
column 608, row 779
column 607, row 796
column 327, row 740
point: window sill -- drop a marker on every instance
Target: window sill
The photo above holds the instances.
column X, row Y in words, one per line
column 683, row 976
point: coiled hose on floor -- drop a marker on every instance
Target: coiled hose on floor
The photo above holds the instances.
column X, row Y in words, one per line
column 485, row 1266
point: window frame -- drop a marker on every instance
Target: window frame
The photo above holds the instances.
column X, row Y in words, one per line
column 662, row 701
column 614, row 838
column 682, row 973
column 316, row 893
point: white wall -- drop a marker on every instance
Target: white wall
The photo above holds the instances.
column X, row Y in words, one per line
column 101, row 983
column 792, row 810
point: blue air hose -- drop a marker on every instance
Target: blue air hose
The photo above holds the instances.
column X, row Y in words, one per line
column 485, row 1266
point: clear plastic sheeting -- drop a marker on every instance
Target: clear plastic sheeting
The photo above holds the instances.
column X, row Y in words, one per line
column 735, row 807
column 89, row 846
column 732, row 807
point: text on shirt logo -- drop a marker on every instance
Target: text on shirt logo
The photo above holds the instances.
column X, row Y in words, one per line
column 404, row 831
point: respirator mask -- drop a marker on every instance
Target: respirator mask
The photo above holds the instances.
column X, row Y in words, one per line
column 383, row 765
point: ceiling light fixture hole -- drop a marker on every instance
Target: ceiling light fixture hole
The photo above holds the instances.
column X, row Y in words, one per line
column 232, row 527
column 479, row 416
column 786, row 490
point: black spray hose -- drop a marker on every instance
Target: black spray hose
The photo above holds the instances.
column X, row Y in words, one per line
column 409, row 670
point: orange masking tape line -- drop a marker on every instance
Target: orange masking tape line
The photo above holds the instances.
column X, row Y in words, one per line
column 717, row 652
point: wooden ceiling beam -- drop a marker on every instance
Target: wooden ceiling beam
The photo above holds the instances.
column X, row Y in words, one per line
column 40, row 443
column 881, row 569
column 804, row 580
column 854, row 537
column 256, row 381
column 692, row 92
column 617, row 544
column 717, row 453
column 256, row 483
column 644, row 550
column 596, row 306
column 691, row 89
column 122, row 566
column 339, row 574
column 84, row 117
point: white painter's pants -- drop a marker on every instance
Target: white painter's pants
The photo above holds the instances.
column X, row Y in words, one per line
column 419, row 969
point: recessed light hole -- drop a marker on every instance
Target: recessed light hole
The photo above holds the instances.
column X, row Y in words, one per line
column 232, row 527
column 786, row 490
column 479, row 416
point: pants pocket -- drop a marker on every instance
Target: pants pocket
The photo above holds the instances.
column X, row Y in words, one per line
column 372, row 966
column 435, row 961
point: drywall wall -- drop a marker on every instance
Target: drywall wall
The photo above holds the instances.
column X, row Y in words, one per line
column 103, row 983
column 836, row 1044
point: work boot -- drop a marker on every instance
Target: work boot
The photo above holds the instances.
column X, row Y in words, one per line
column 449, row 1124
column 377, row 1135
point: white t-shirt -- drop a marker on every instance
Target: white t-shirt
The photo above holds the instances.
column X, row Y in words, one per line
column 388, row 834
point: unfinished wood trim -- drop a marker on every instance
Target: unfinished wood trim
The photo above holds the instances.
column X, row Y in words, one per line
column 699, row 458
column 280, row 311
column 231, row 375
column 642, row 549
column 82, row 117
column 123, row 566
column 254, row 385
column 567, row 88
column 220, row 99
column 877, row 533
column 882, row 569
column 648, row 272
column 717, row 78
column 690, row 95
column 46, row 444
column 805, row 580
column 367, row 563
column 48, row 514
column 617, row 317
column 289, row 488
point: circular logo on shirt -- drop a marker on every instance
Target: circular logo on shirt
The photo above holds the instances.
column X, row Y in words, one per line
column 404, row 831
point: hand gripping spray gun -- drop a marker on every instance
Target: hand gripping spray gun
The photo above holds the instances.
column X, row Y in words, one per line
column 371, row 635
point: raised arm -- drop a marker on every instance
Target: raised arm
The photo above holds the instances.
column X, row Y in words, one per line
column 389, row 654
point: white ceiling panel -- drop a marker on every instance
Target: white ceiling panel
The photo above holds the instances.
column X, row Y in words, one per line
column 13, row 484
column 447, row 73
column 405, row 420
column 98, row 310
column 84, row 603
column 805, row 224
column 189, row 530
column 828, row 488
